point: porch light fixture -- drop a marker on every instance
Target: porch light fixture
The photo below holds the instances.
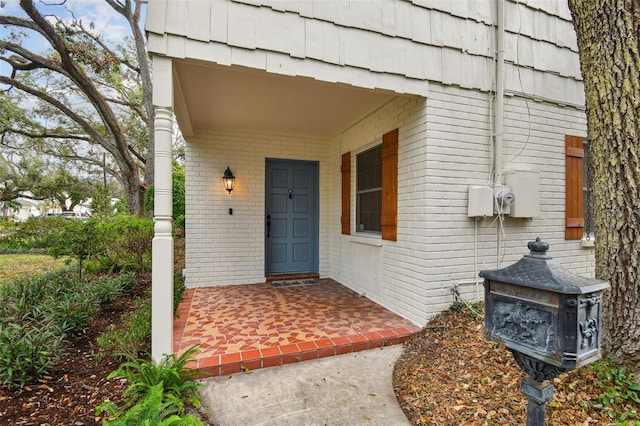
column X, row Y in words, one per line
column 228, row 180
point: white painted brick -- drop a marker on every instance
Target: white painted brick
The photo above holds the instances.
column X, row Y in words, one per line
column 232, row 245
column 445, row 141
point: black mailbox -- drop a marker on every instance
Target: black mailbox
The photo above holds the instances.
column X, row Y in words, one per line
column 548, row 317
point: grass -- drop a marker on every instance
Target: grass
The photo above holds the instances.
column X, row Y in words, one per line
column 15, row 265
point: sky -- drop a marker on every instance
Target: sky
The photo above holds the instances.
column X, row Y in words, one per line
column 107, row 21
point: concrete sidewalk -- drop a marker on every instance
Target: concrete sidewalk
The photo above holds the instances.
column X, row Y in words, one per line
column 351, row 389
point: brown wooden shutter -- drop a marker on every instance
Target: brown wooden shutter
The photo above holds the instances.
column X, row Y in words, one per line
column 574, row 216
column 345, row 218
column 389, row 217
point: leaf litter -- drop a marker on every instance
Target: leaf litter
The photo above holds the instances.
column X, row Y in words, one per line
column 449, row 374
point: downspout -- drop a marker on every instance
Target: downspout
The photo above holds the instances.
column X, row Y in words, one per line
column 499, row 110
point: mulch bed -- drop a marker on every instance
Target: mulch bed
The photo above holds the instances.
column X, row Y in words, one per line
column 74, row 387
column 450, row 375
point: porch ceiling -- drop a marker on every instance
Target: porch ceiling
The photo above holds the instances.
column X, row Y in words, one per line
column 212, row 97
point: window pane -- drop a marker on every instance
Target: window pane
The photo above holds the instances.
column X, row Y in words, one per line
column 370, row 169
column 369, row 190
column 369, row 208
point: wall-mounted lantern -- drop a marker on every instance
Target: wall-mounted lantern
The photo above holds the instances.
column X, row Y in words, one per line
column 228, row 179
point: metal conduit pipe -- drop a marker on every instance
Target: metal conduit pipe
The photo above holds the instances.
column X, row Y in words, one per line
column 499, row 99
column 499, row 110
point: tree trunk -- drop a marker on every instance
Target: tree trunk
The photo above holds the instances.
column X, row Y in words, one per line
column 608, row 34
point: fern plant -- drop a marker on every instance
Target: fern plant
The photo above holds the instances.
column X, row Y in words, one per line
column 155, row 409
column 177, row 380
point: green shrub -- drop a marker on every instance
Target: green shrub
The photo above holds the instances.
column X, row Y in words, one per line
column 77, row 239
column 154, row 410
column 106, row 290
column 620, row 395
column 25, row 297
column 27, row 352
column 126, row 281
column 131, row 337
column 30, row 236
column 129, row 242
column 180, row 221
column 177, row 380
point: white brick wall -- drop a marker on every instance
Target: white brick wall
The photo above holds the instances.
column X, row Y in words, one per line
column 388, row 273
column 459, row 154
column 229, row 249
column 444, row 146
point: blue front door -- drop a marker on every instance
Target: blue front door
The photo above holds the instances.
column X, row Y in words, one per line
column 291, row 228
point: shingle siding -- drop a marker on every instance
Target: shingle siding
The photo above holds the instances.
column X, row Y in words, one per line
column 379, row 41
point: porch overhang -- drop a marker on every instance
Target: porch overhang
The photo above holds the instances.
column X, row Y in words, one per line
column 210, row 96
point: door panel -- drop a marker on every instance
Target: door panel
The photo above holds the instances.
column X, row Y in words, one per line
column 291, row 201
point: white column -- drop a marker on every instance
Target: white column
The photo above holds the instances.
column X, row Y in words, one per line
column 162, row 252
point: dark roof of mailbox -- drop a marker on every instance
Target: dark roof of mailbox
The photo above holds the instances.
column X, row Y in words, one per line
column 537, row 270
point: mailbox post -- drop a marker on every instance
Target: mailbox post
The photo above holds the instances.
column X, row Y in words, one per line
column 547, row 317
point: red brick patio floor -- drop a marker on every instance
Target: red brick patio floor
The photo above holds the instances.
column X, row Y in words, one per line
column 259, row 325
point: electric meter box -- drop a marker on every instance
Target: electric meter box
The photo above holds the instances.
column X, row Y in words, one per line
column 480, row 201
column 525, row 185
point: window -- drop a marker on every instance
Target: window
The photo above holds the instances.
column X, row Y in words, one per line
column 369, row 190
column 376, row 189
column 578, row 218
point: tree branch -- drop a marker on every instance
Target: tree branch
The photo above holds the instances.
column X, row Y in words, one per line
column 131, row 105
column 36, row 61
column 46, row 135
column 21, row 23
column 93, row 133
column 106, row 48
column 120, row 151
column 137, row 154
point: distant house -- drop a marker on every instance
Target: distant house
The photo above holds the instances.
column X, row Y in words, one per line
column 398, row 147
column 27, row 208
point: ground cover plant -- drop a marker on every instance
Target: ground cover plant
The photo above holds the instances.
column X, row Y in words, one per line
column 450, row 375
column 38, row 312
column 59, row 372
